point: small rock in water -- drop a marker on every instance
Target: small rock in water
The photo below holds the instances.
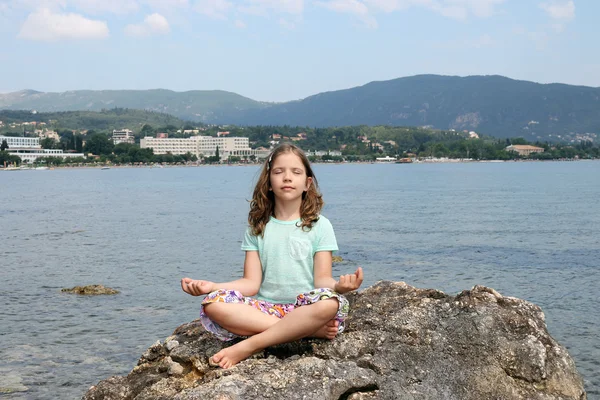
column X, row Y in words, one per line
column 90, row 290
column 11, row 384
column 337, row 259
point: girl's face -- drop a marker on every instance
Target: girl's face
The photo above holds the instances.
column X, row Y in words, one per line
column 288, row 177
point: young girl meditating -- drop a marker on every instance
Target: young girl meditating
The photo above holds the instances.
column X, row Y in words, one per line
column 287, row 291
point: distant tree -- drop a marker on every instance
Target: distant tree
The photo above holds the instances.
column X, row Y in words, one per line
column 217, row 156
column 169, row 128
column 78, row 144
column 48, row 143
column 7, row 158
column 518, row 141
column 147, row 130
column 4, row 145
column 123, row 148
column 99, row 144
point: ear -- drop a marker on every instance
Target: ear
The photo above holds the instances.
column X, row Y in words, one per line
column 308, row 182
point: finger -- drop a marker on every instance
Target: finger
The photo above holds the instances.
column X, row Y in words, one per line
column 184, row 285
column 193, row 288
column 360, row 275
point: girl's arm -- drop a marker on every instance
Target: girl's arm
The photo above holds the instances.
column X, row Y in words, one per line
column 247, row 286
column 324, row 279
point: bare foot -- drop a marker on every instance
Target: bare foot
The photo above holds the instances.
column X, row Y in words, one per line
column 327, row 331
column 229, row 356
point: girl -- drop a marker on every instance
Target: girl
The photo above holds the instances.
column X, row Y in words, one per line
column 287, row 267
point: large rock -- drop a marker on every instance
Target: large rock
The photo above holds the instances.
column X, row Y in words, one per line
column 401, row 343
column 90, row 290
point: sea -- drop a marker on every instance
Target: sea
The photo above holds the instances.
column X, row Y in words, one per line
column 527, row 229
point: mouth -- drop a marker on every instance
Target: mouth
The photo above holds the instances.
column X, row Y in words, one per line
column 287, row 188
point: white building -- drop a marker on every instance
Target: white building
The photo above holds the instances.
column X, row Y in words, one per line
column 29, row 149
column 175, row 146
column 21, row 142
column 123, row 136
column 320, row 153
column 386, row 159
column 203, row 146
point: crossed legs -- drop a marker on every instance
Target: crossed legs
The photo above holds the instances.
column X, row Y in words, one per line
column 265, row 330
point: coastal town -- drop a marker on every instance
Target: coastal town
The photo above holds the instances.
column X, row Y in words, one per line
column 39, row 146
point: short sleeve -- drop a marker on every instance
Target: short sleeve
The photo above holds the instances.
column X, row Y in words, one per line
column 250, row 242
column 327, row 240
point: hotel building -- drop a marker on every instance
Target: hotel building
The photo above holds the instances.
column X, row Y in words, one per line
column 204, row 146
column 28, row 149
column 123, row 136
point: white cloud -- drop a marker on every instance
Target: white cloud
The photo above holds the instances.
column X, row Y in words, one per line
column 240, row 24
column 217, row 9
column 119, row 7
column 346, row 6
column 167, row 4
column 153, row 24
column 262, row 7
column 457, row 9
column 564, row 10
column 97, row 7
column 46, row 25
column 353, row 7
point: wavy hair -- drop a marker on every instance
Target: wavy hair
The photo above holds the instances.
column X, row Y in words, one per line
column 262, row 205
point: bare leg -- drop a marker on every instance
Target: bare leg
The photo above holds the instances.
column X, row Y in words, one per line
column 238, row 318
column 299, row 323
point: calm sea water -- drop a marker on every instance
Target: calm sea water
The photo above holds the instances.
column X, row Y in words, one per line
column 529, row 230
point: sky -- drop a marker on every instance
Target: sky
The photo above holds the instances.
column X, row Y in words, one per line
column 282, row 50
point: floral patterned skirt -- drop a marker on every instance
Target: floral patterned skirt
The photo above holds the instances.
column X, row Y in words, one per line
column 278, row 310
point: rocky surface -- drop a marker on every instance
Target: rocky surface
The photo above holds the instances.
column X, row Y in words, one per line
column 401, row 343
column 90, row 290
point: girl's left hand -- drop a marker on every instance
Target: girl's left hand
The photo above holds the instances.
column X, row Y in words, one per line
column 349, row 282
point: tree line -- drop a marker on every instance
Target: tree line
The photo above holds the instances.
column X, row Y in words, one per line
column 356, row 143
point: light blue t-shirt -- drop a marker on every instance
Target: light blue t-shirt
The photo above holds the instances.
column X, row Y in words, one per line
column 287, row 253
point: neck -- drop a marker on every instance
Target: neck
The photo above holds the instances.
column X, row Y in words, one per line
column 288, row 211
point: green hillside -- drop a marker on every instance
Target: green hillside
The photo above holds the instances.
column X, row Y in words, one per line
column 198, row 105
column 105, row 120
column 492, row 105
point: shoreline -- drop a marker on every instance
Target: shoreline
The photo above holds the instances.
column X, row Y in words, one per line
column 161, row 166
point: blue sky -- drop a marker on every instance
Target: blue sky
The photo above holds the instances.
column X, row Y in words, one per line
column 279, row 50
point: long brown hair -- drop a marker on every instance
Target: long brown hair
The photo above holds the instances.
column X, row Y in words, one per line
column 262, row 205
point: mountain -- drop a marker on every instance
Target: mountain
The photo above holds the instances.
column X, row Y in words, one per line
column 492, row 105
column 198, row 105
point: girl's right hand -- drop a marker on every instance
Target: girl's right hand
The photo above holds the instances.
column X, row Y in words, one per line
column 196, row 287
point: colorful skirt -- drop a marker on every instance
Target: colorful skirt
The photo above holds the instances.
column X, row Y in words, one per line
column 278, row 310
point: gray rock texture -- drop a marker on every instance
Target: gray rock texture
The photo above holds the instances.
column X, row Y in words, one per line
column 401, row 343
